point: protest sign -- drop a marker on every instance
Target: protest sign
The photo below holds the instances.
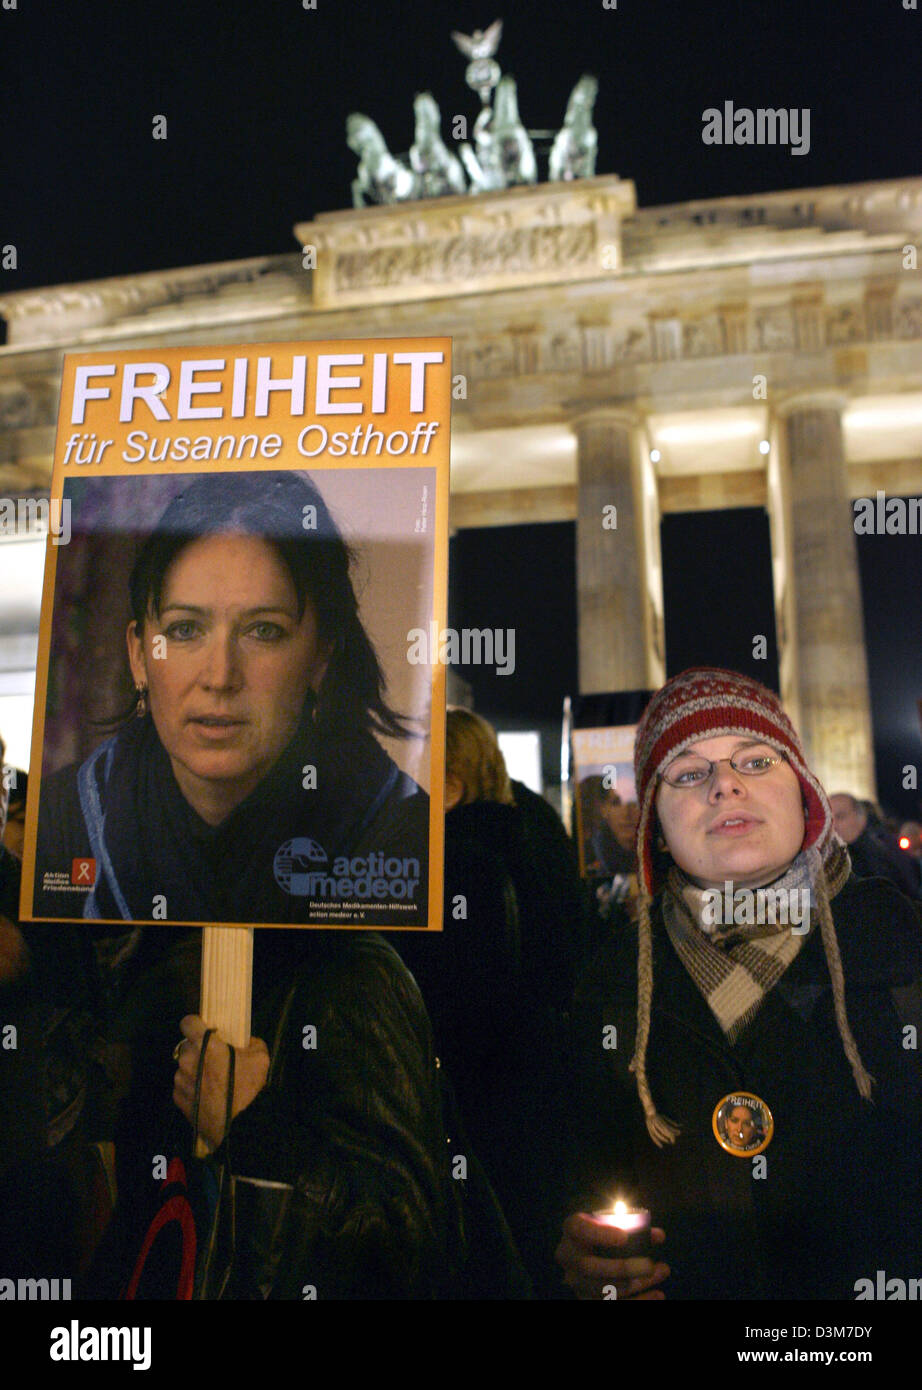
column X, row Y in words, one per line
column 230, row 729
column 606, row 797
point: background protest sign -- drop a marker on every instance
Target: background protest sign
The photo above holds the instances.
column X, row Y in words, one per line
column 239, row 764
column 600, row 734
column 603, row 773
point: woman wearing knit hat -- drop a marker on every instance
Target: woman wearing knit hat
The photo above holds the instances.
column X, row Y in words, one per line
column 721, row 990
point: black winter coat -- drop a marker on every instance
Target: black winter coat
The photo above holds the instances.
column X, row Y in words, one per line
column 842, row 1192
column 338, row 1174
column 496, row 983
column 875, row 855
column 352, row 1128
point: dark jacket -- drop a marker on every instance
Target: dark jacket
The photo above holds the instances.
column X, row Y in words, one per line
column 352, row 1127
column 568, row 913
column 876, row 855
column 842, row 1189
column 22, row 1120
column 514, row 911
column 45, row 1090
column 496, row 985
column 338, row 1176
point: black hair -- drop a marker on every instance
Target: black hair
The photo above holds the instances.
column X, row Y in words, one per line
column 287, row 511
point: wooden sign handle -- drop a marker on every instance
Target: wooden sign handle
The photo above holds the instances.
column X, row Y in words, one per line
column 227, row 989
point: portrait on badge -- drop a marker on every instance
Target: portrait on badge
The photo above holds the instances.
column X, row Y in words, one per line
column 743, row 1124
column 233, row 732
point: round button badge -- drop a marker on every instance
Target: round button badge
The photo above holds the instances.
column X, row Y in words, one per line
column 743, row 1124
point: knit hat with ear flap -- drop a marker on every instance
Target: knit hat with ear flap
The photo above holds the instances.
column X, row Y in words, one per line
column 705, row 702
column 702, row 703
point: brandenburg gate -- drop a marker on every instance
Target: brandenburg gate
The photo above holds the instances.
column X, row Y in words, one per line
column 611, row 365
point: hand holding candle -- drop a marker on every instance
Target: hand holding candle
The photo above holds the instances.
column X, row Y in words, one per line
column 600, row 1253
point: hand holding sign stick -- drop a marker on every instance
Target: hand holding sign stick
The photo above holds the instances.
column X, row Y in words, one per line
column 227, row 983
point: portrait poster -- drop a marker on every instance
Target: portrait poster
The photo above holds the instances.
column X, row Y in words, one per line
column 239, row 717
column 606, row 797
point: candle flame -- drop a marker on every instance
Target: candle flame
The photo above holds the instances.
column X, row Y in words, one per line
column 620, row 1208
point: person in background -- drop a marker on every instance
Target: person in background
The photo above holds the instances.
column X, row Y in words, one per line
column 567, row 939
column 20, row 1115
column 672, row 1019
column 13, row 952
column 494, row 981
column 871, row 847
column 539, row 920
column 45, row 996
column 14, row 837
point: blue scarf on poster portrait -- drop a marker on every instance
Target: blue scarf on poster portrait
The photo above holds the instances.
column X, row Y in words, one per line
column 150, row 844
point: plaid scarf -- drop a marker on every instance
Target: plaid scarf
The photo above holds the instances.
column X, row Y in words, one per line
column 734, row 966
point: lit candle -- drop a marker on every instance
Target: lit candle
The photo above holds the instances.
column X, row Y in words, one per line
column 634, row 1221
column 624, row 1217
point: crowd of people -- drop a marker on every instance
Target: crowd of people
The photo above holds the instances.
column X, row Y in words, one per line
column 472, row 1103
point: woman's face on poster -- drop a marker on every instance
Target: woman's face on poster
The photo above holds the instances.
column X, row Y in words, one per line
column 228, row 662
column 621, row 818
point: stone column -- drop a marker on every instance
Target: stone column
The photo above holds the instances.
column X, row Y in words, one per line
column 831, row 662
column 609, row 556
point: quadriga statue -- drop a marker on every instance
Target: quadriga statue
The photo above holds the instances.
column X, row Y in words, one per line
column 573, row 153
column 438, row 171
column 381, row 178
column 503, row 154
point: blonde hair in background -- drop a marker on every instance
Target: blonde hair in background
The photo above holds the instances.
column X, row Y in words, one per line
column 472, row 754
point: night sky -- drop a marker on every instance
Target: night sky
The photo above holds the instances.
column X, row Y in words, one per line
column 256, row 97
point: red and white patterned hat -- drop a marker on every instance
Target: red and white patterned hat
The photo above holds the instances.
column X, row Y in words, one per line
column 706, row 702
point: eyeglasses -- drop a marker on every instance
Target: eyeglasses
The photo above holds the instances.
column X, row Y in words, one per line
column 690, row 770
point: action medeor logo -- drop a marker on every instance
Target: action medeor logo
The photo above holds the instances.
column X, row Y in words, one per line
column 293, row 863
